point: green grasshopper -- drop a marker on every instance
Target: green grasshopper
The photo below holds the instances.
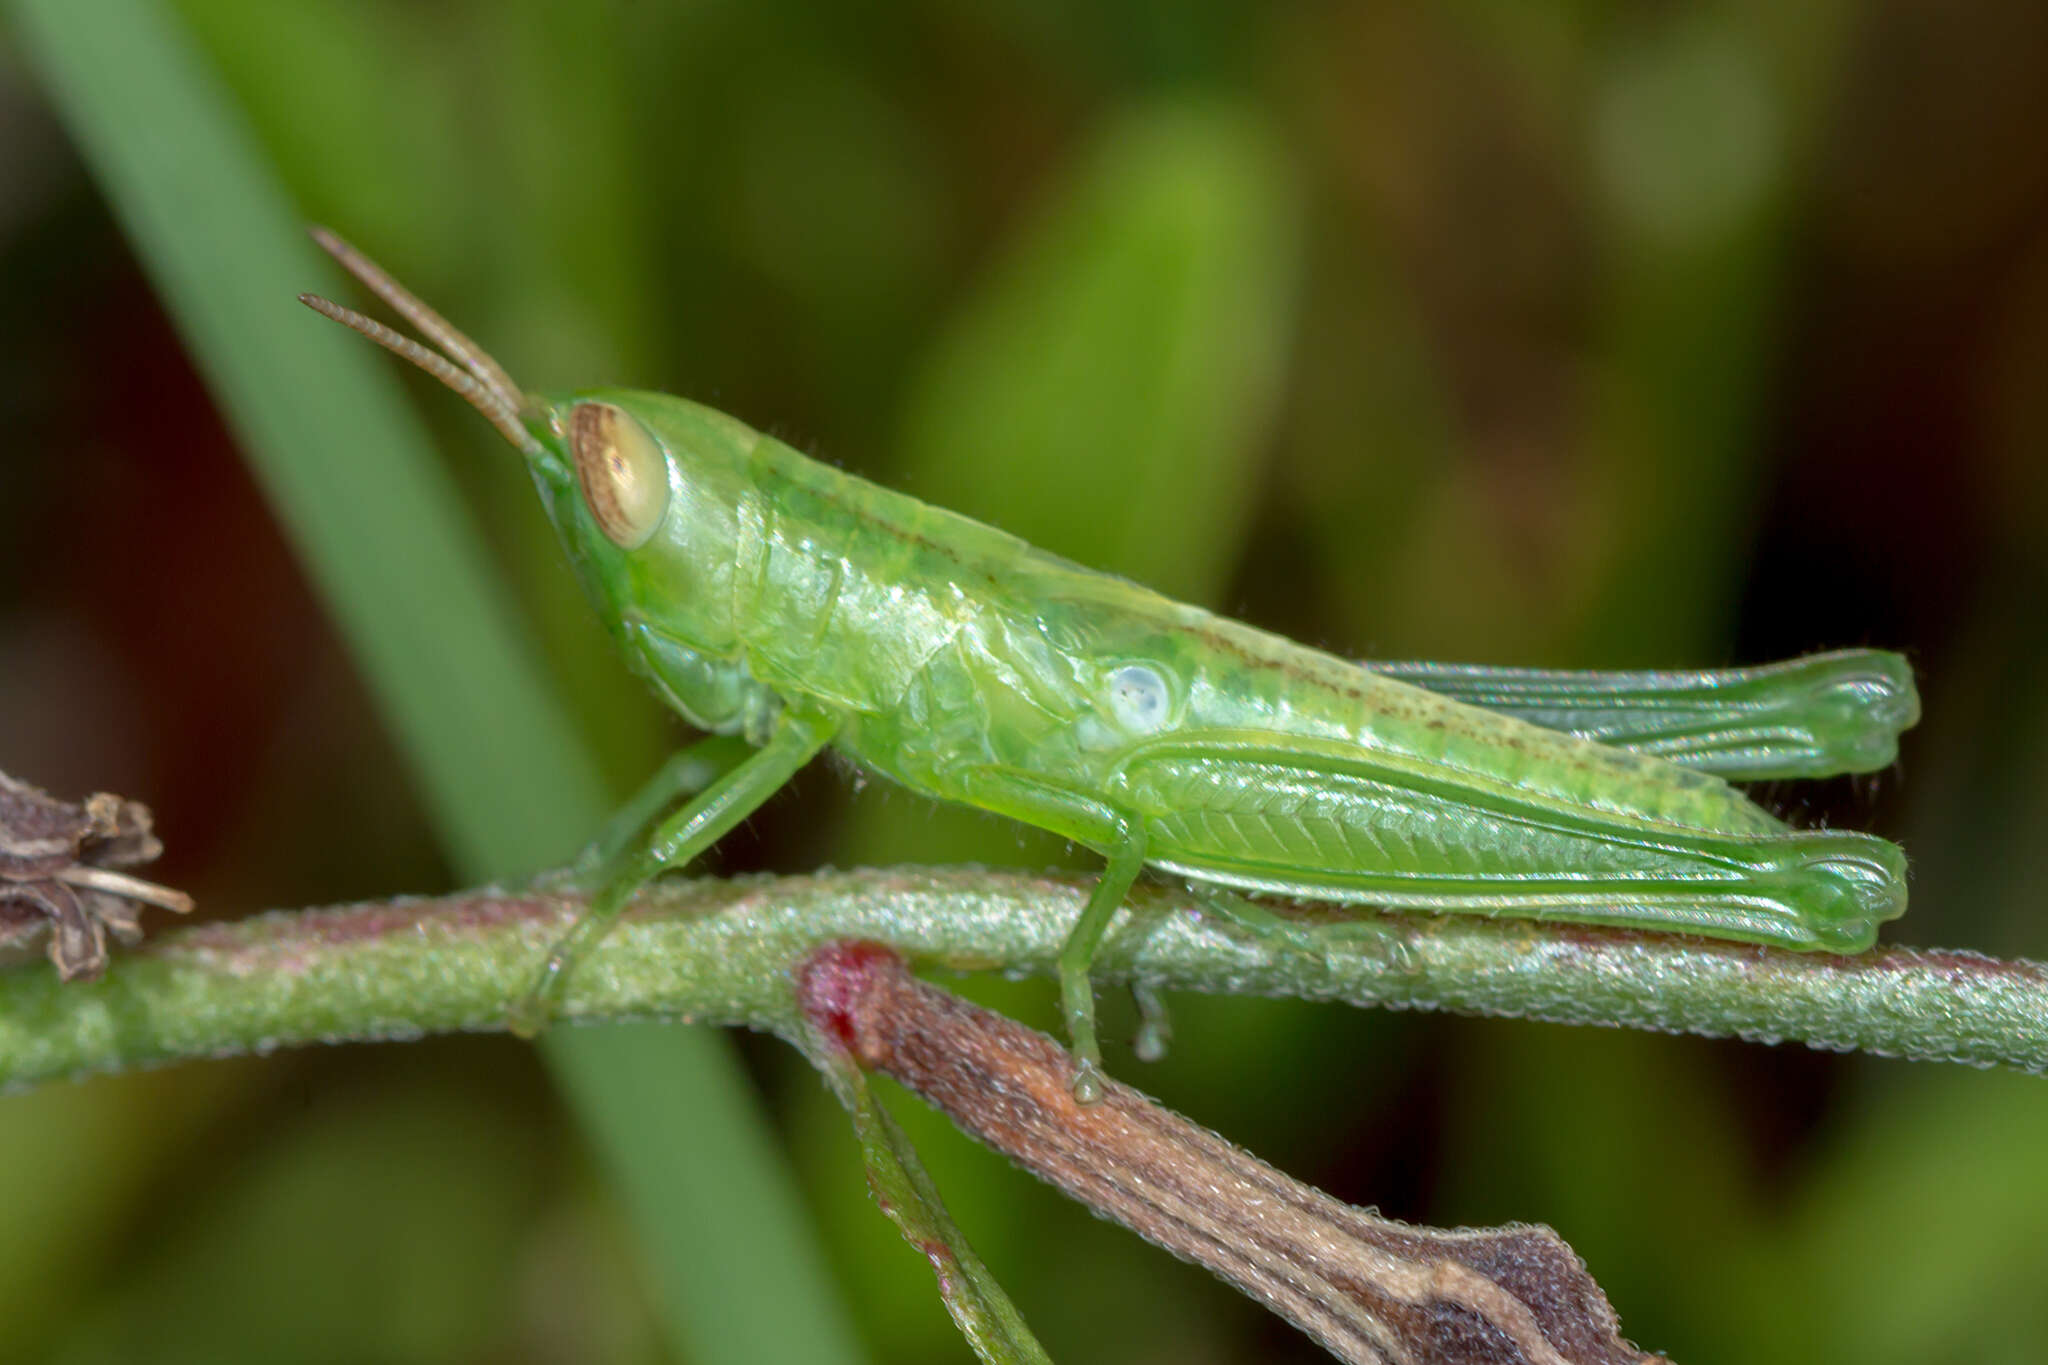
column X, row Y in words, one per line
column 774, row 599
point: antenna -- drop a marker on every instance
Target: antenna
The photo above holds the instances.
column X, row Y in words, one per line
column 466, row 368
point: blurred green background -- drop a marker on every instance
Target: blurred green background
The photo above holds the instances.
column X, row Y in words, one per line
column 1588, row 335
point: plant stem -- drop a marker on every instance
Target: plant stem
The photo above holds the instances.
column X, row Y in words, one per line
column 722, row 953
column 1368, row 1289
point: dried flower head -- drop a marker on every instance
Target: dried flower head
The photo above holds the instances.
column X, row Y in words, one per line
column 58, row 874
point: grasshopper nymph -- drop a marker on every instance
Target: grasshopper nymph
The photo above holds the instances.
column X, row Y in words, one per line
column 768, row 596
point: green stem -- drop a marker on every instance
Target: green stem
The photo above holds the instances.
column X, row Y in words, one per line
column 721, row 952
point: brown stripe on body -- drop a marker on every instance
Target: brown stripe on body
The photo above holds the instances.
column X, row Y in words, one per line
column 1371, row 1290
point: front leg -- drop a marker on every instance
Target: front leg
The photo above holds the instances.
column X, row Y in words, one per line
column 685, row 773
column 672, row 844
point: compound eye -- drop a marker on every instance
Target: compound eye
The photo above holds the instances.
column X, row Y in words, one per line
column 623, row 472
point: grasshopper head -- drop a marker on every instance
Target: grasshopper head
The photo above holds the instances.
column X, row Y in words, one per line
column 643, row 488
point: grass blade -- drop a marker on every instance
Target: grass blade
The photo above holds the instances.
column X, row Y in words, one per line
column 385, row 540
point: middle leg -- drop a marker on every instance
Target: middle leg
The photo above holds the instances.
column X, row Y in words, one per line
column 1121, row 837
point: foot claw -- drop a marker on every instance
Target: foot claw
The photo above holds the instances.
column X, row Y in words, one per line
column 1088, row 1083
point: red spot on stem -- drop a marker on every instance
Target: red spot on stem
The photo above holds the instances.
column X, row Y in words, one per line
column 835, row 982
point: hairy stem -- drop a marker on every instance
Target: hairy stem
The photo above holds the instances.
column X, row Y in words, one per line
column 723, row 952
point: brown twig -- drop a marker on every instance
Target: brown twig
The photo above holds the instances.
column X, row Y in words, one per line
column 1371, row 1290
